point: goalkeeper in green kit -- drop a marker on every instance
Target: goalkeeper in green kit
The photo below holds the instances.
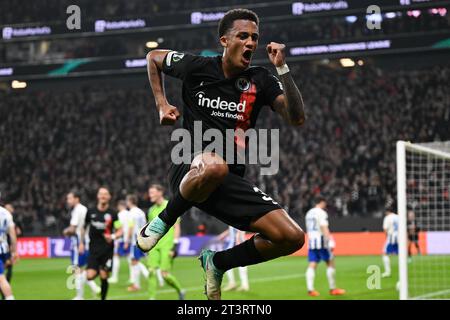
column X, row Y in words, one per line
column 164, row 252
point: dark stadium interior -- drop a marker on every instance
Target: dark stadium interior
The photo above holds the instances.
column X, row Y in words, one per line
column 84, row 132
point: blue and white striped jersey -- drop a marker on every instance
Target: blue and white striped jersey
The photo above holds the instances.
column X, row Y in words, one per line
column 390, row 226
column 316, row 218
column 6, row 222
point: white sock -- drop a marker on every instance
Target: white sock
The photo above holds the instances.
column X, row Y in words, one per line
column 331, row 272
column 387, row 264
column 143, row 269
column 130, row 266
column 116, row 267
column 11, row 297
column 310, row 274
column 160, row 277
column 243, row 275
column 137, row 275
column 230, row 277
column 91, row 283
column 79, row 284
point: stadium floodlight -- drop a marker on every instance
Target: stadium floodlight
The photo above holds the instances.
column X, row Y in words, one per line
column 152, row 44
column 347, row 62
column 16, row 84
column 423, row 199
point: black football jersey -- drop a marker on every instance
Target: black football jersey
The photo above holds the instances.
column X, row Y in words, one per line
column 100, row 223
column 220, row 103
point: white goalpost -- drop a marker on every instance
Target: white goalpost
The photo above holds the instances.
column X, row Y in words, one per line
column 423, row 204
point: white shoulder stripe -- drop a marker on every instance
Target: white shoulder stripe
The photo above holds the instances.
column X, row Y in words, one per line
column 169, row 58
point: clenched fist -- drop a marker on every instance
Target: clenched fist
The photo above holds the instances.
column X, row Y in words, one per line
column 276, row 53
column 168, row 114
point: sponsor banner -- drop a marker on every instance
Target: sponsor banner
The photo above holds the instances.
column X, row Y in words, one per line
column 340, row 47
column 438, row 242
column 192, row 245
column 104, row 25
column 6, row 72
column 100, row 26
column 11, row 32
column 36, row 247
column 59, row 247
column 346, row 243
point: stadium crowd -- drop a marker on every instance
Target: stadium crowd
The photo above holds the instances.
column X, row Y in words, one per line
column 54, row 141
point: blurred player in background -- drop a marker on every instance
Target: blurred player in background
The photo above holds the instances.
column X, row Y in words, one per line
column 162, row 255
column 234, row 237
column 413, row 234
column 137, row 221
column 8, row 251
column 390, row 227
column 78, row 260
column 121, row 245
column 318, row 248
column 104, row 228
column 208, row 182
column 9, row 264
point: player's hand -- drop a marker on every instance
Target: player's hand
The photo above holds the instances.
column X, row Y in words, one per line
column 168, row 114
column 81, row 248
column 276, row 53
column 126, row 245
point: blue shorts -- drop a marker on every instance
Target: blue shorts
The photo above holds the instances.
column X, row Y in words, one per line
column 391, row 248
column 120, row 250
column 79, row 260
column 135, row 253
column 3, row 258
column 316, row 255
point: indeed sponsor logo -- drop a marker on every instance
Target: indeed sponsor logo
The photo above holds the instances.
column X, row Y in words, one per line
column 102, row 25
column 9, row 32
column 218, row 103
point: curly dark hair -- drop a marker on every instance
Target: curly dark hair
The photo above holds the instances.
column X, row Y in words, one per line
column 226, row 23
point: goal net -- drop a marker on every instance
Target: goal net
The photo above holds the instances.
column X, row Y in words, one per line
column 423, row 198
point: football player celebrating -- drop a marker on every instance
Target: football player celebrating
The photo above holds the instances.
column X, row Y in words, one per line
column 225, row 92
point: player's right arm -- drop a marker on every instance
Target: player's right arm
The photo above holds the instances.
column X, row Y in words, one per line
column 326, row 233
column 168, row 114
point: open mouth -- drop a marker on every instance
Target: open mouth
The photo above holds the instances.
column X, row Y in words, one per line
column 247, row 55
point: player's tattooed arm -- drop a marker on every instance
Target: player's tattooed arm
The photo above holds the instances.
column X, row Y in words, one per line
column 168, row 114
column 290, row 104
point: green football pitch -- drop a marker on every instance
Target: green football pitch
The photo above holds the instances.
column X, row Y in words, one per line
column 282, row 279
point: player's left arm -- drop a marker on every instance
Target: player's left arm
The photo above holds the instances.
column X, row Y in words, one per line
column 13, row 243
column 290, row 104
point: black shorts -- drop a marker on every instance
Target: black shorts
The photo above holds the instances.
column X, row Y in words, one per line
column 413, row 237
column 236, row 202
column 100, row 260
